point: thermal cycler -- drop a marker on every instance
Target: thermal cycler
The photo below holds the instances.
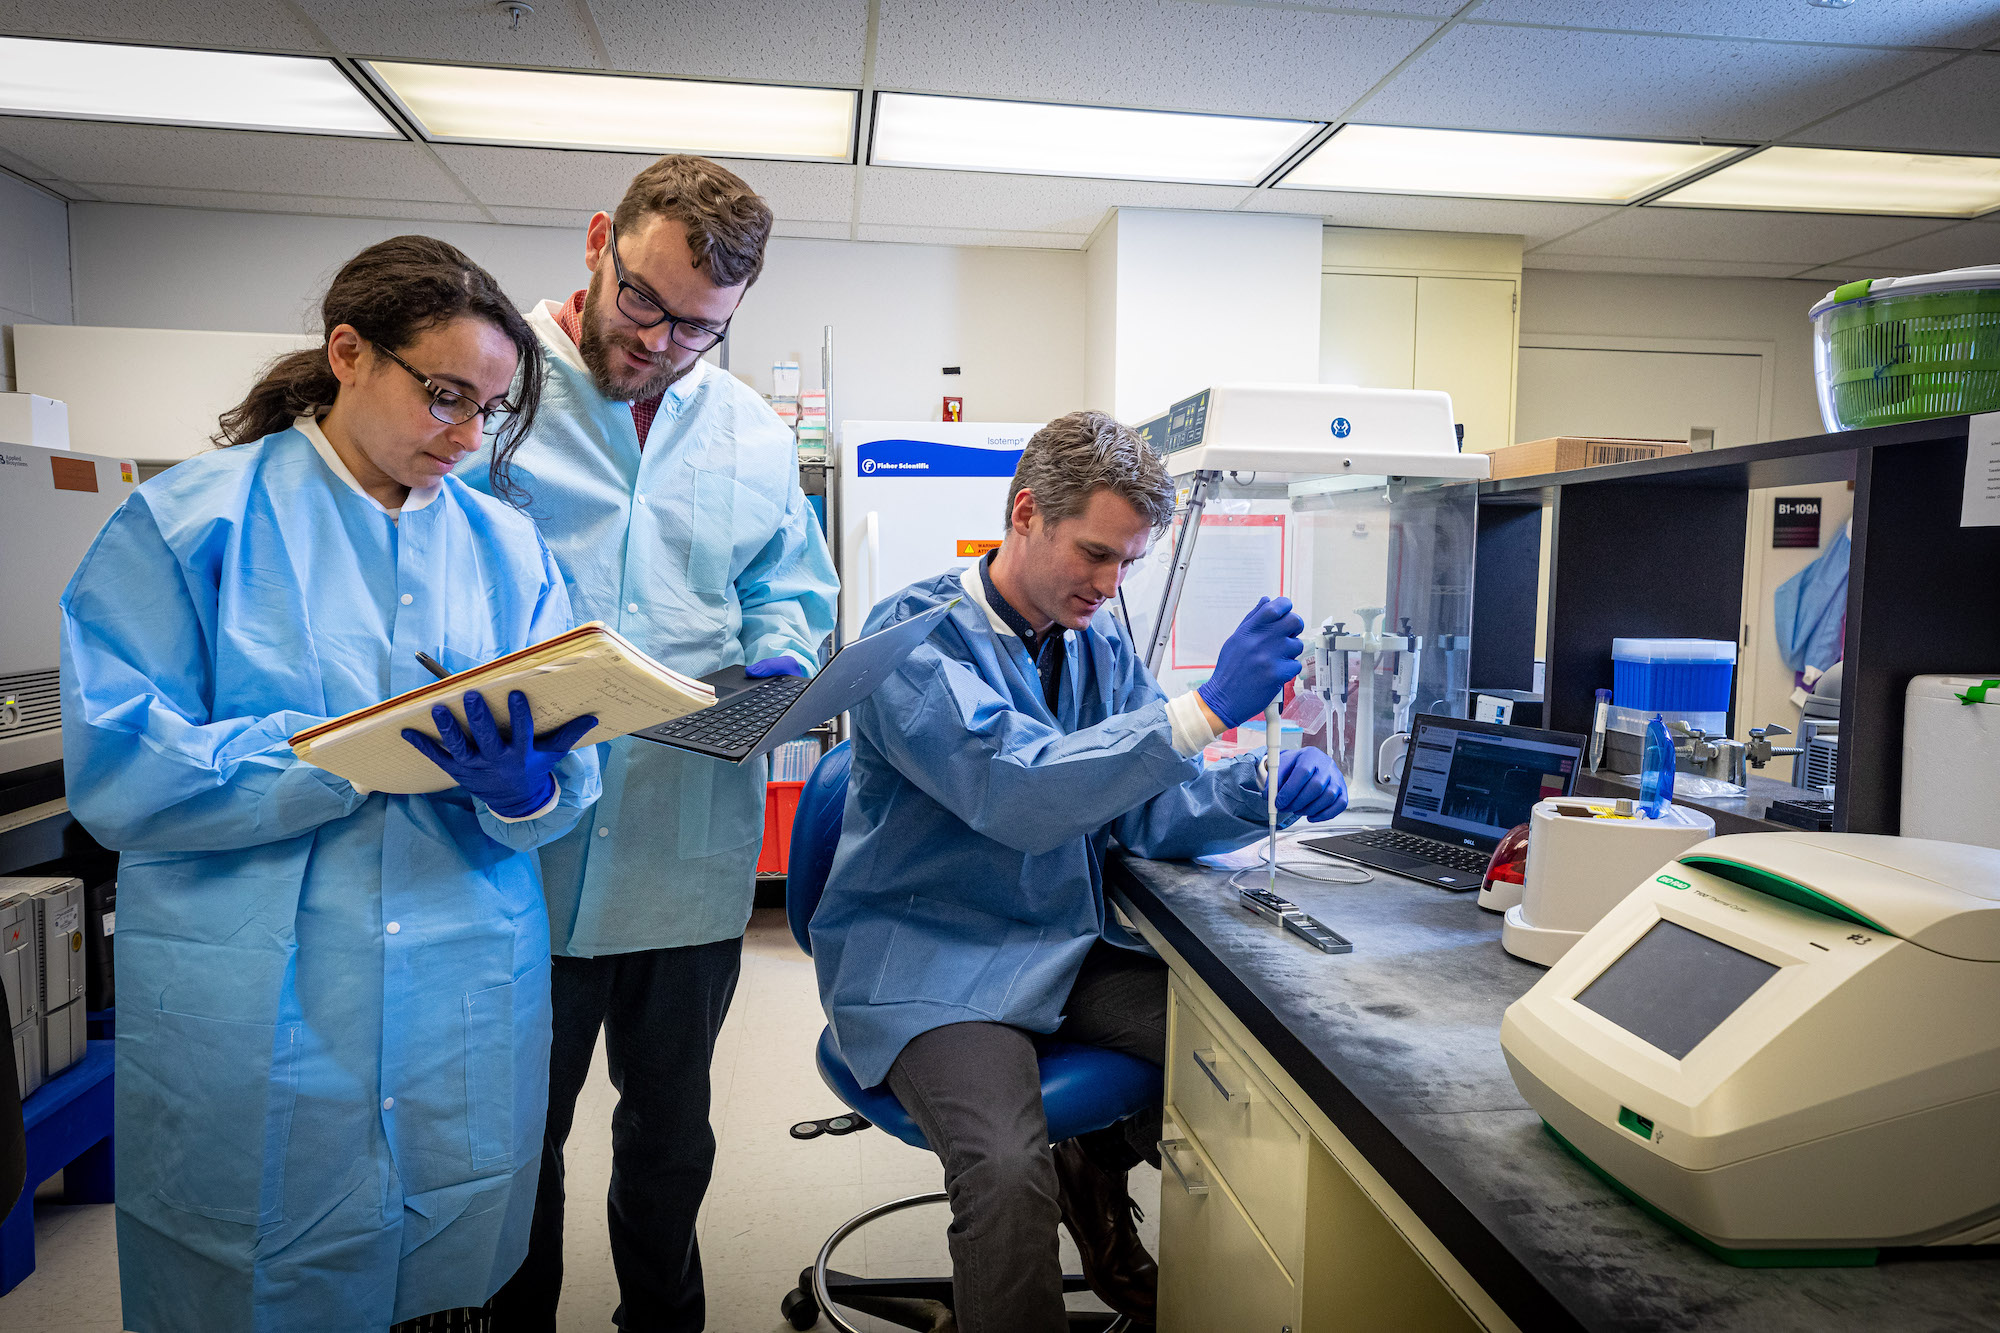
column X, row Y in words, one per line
column 1785, row 1045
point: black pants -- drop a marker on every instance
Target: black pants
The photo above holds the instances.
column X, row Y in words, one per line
column 660, row 1010
column 975, row 1091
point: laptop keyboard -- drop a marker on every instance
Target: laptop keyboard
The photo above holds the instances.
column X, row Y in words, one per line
column 1430, row 849
column 741, row 723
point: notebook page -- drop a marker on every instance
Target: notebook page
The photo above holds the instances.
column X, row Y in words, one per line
column 593, row 675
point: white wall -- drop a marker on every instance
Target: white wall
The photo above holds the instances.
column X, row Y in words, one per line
column 1718, row 309
column 1200, row 299
column 1013, row 319
column 34, row 264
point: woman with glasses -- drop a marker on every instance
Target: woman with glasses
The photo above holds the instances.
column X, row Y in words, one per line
column 332, row 1064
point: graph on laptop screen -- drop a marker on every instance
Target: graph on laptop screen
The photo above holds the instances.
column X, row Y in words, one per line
column 1470, row 787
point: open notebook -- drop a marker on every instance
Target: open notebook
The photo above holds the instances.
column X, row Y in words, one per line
column 590, row 669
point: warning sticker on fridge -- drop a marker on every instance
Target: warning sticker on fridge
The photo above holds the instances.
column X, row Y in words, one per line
column 976, row 547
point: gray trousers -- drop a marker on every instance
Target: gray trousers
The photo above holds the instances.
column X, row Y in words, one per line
column 975, row 1091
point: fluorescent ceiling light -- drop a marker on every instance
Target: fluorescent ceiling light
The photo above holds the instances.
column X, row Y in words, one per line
column 1473, row 163
column 1035, row 138
column 1846, row 180
column 166, row 85
column 463, row 104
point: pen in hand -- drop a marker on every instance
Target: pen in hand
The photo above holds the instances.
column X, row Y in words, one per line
column 430, row 664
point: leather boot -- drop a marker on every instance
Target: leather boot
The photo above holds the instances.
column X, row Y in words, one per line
column 1100, row 1215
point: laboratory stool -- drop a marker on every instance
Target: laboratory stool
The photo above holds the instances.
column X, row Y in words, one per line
column 1084, row 1088
column 68, row 1122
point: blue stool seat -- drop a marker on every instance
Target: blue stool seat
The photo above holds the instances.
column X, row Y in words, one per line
column 1084, row 1088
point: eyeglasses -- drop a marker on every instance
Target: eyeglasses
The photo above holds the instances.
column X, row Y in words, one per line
column 450, row 406
column 639, row 307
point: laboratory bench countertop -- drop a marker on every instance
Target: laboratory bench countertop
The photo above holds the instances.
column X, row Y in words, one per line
column 1398, row 1043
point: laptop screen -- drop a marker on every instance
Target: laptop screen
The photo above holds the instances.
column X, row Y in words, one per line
column 1469, row 786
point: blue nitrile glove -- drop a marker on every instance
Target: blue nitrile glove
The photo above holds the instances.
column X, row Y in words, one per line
column 1255, row 661
column 784, row 664
column 1309, row 785
column 514, row 776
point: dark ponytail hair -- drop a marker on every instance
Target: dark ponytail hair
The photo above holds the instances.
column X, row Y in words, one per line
column 391, row 293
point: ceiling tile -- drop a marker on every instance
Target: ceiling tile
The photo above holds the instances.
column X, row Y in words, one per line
column 1535, row 223
column 1798, row 239
column 1902, row 23
column 247, row 201
column 101, row 153
column 1238, row 59
column 1694, row 268
column 566, row 218
column 1017, row 240
column 1837, row 274
column 263, row 24
column 898, row 196
column 826, row 231
column 552, row 178
column 1960, row 246
column 778, row 41
column 1558, row 82
column 1954, row 109
column 463, row 32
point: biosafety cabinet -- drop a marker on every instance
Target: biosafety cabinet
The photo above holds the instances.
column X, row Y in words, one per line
column 1359, row 506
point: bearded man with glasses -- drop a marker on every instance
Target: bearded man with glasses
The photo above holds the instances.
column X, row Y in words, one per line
column 668, row 491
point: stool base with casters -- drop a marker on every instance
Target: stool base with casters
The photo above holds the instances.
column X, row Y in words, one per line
column 922, row 1303
column 1084, row 1088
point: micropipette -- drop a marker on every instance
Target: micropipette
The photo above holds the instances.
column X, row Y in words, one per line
column 1273, row 731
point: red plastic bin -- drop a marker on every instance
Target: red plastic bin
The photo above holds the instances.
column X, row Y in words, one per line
column 781, row 802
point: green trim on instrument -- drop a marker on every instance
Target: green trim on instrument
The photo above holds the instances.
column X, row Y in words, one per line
column 1847, row 1258
column 1777, row 886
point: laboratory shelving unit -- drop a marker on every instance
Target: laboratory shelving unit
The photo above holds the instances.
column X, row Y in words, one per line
column 1656, row 548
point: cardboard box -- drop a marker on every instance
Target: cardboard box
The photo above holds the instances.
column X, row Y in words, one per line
column 1566, row 453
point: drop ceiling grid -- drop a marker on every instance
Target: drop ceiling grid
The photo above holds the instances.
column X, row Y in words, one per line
column 1508, row 64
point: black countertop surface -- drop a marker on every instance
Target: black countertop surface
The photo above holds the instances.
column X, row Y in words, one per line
column 1399, row 1044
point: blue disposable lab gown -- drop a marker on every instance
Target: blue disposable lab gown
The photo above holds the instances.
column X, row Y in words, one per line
column 702, row 550
column 1810, row 609
column 295, row 956
column 968, row 884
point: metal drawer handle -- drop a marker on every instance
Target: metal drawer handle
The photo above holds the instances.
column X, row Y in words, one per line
column 1211, row 1065
column 1193, row 1184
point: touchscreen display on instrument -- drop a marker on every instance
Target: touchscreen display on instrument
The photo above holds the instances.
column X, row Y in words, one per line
column 1674, row 987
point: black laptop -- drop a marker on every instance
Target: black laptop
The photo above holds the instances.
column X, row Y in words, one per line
column 1465, row 785
column 754, row 715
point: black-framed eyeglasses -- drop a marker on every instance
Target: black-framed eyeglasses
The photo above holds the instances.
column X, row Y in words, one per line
column 449, row 405
column 638, row 306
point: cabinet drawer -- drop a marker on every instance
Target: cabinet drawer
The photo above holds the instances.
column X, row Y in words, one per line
column 1255, row 1141
column 1215, row 1273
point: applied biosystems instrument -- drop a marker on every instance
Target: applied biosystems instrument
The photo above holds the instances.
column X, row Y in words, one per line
column 1782, row 1045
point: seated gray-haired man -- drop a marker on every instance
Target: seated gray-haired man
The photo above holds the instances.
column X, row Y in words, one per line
column 964, row 914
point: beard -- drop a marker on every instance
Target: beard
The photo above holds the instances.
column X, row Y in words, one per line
column 601, row 348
